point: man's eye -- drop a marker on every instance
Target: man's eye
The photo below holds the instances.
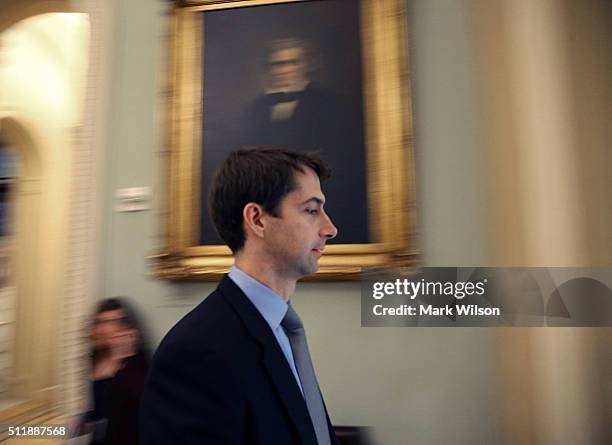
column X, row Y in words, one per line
column 312, row 211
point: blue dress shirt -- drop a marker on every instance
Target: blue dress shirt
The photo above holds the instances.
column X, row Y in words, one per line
column 272, row 308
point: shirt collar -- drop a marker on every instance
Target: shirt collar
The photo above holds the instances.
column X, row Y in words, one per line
column 270, row 305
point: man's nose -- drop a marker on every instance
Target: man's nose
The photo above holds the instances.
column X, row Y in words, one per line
column 328, row 230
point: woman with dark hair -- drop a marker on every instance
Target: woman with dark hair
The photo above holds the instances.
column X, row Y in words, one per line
column 119, row 364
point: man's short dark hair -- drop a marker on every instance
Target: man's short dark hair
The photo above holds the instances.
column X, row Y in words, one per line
column 261, row 175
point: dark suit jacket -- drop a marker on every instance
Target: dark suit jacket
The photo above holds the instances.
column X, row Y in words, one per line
column 220, row 377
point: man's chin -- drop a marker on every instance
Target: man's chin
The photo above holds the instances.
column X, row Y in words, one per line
column 315, row 267
column 310, row 269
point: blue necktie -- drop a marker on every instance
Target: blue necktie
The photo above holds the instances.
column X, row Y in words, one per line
column 297, row 338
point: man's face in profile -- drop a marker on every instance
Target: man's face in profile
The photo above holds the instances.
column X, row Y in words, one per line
column 288, row 67
column 296, row 238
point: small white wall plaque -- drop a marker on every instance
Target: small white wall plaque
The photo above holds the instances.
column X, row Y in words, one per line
column 133, row 199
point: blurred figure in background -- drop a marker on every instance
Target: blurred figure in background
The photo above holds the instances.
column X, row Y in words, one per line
column 119, row 365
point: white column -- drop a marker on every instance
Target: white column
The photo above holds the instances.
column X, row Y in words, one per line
column 565, row 369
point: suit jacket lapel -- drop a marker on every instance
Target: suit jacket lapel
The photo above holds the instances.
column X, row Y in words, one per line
column 274, row 360
column 289, row 392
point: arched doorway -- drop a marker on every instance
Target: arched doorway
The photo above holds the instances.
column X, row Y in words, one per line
column 45, row 53
column 21, row 244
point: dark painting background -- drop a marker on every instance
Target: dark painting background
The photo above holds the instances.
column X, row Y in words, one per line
column 235, row 75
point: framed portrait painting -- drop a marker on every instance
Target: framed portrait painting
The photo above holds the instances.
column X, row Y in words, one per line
column 329, row 76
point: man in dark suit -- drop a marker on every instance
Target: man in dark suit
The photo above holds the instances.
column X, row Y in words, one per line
column 236, row 369
column 295, row 111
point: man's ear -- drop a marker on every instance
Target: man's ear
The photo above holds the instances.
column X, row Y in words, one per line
column 252, row 215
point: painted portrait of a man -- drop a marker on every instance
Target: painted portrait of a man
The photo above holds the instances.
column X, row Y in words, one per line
column 294, row 80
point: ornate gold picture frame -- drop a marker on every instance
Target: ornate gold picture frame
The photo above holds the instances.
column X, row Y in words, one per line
column 387, row 137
